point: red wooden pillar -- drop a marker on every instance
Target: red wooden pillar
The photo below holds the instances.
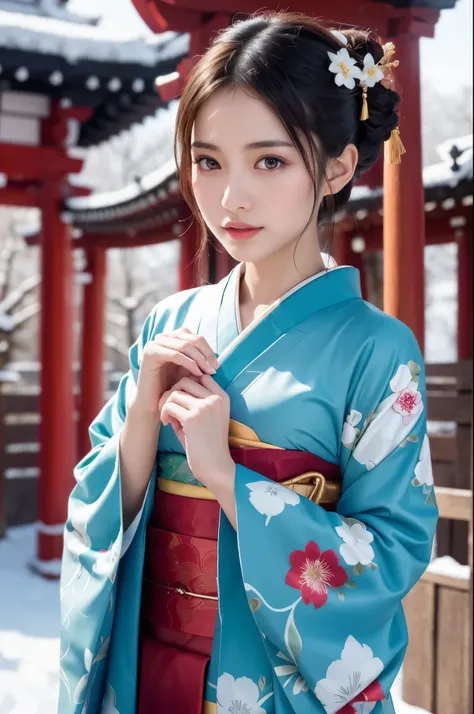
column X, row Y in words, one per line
column 404, row 216
column 465, row 296
column 92, row 349
column 57, row 430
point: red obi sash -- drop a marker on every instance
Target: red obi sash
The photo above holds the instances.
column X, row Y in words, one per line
column 179, row 595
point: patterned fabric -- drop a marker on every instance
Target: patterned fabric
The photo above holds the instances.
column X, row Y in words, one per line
column 310, row 615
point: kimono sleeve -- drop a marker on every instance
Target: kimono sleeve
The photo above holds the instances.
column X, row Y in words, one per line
column 94, row 543
column 326, row 588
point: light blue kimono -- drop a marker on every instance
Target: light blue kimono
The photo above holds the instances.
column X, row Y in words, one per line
column 310, row 615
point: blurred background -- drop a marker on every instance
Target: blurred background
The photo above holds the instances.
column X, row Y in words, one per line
column 93, row 232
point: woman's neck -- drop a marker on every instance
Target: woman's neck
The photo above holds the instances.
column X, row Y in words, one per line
column 264, row 282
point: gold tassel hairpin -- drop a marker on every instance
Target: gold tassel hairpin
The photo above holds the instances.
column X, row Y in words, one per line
column 344, row 66
column 394, row 148
column 365, row 107
column 373, row 73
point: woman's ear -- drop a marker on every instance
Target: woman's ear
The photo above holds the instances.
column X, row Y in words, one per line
column 340, row 171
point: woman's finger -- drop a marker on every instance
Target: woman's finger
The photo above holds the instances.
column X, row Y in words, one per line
column 191, row 386
column 202, row 345
column 178, row 397
column 187, row 348
column 168, row 354
column 172, row 410
column 183, row 360
column 188, row 385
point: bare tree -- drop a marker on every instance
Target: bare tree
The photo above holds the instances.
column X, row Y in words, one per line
column 18, row 301
column 138, row 279
column 132, row 154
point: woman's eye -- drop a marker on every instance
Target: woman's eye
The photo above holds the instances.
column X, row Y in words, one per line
column 206, row 163
column 270, row 163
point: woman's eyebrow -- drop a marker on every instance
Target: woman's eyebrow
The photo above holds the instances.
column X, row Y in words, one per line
column 266, row 144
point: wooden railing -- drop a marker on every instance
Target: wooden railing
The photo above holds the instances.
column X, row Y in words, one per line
column 449, row 411
column 437, row 672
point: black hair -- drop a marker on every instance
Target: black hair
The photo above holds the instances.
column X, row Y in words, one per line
column 283, row 59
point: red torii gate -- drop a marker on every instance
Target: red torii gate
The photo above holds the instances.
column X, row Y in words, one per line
column 404, row 230
column 64, row 85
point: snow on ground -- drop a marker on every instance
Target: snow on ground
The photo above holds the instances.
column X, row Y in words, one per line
column 29, row 633
column 29, row 629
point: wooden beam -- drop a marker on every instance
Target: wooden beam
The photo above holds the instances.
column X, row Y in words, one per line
column 454, row 503
column 125, row 240
column 25, row 197
column 34, row 163
column 443, row 448
column 187, row 15
column 449, row 406
column 465, row 295
column 461, row 371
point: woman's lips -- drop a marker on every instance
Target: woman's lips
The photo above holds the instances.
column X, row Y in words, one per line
column 242, row 233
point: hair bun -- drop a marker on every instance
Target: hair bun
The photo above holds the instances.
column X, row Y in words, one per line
column 382, row 101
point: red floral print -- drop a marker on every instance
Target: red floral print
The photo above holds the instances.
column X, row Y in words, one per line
column 407, row 402
column 312, row 572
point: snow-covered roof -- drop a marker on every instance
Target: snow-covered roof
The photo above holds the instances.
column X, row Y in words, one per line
column 87, row 66
column 102, row 212
column 461, row 143
column 75, row 42
column 45, row 8
column 450, row 172
column 127, row 194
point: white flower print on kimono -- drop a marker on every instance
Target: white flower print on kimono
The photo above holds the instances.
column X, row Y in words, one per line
column 110, row 699
column 350, row 431
column 270, row 498
column 77, row 541
column 237, row 696
column 356, row 548
column 424, row 471
column 288, row 671
column 393, row 420
column 351, row 681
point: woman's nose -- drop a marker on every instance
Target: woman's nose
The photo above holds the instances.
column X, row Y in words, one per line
column 235, row 197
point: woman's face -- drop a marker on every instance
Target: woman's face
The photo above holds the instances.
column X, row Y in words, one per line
column 246, row 169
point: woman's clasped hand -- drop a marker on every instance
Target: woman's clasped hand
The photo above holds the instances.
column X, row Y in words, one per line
column 175, row 382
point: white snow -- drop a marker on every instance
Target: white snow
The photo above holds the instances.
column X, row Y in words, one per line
column 29, row 630
column 75, row 41
column 123, row 195
column 45, row 8
column 446, row 565
column 29, row 633
column 7, row 375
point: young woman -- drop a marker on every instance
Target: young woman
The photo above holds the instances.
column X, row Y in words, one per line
column 259, row 496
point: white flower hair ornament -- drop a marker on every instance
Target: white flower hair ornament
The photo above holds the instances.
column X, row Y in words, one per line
column 347, row 72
